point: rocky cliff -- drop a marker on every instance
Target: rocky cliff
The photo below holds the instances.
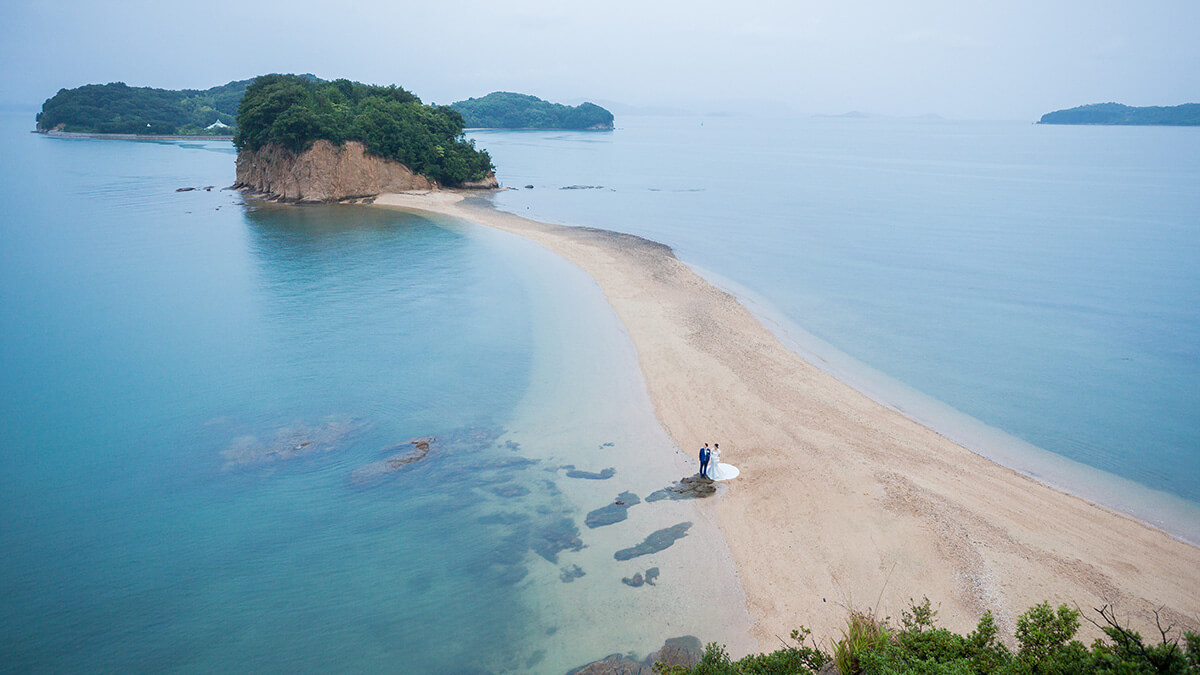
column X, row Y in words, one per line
column 326, row 172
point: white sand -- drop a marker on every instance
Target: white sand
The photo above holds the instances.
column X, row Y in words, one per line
column 843, row 502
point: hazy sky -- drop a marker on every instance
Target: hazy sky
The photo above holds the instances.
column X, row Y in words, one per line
column 1014, row 59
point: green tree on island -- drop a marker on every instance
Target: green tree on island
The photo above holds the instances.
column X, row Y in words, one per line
column 293, row 111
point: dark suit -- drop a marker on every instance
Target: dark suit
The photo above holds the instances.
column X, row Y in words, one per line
column 705, row 453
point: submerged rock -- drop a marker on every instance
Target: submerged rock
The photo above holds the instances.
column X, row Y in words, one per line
column 555, row 537
column 638, row 579
column 692, row 487
column 288, row 442
column 572, row 472
column 415, row 450
column 571, row 573
column 510, row 491
column 679, row 651
column 613, row 513
column 651, row 575
column 656, row 541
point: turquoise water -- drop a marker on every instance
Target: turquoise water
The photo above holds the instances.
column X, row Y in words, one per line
column 1042, row 280
column 200, row 398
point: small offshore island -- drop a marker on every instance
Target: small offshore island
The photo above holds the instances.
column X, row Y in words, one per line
column 1186, row 115
column 310, row 141
column 116, row 108
column 506, row 110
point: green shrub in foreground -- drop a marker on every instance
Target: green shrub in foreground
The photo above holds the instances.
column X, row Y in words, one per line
column 1044, row 636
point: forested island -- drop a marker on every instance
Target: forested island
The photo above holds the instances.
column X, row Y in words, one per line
column 293, row 111
column 117, row 108
column 1187, row 114
column 302, row 139
column 506, row 110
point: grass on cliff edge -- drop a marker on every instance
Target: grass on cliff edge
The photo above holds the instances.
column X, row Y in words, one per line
column 1045, row 640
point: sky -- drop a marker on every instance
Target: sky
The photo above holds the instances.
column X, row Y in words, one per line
column 960, row 59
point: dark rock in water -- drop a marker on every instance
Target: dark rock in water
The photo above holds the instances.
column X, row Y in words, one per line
column 571, row 573
column 289, row 442
column 614, row 664
column 658, row 540
column 560, row 535
column 572, row 472
column 415, row 450
column 680, row 651
column 510, row 491
column 607, row 445
column 512, row 463
column 184, row 189
column 613, row 513
column 692, row 487
column 528, row 187
column 638, row 579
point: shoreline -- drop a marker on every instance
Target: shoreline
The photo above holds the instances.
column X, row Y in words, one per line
column 1164, row 511
column 132, row 137
column 843, row 499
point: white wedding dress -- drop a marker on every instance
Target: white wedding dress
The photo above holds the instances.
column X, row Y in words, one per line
column 719, row 471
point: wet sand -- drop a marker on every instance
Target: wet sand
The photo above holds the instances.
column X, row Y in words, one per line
column 844, row 502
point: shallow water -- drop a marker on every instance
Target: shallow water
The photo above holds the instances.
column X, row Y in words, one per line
column 1036, row 284
column 207, row 458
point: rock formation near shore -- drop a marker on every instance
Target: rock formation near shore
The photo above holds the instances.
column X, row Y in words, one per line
column 328, row 173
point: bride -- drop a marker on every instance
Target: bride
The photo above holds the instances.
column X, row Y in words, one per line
column 717, row 470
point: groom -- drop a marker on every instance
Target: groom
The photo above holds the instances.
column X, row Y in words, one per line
column 705, row 453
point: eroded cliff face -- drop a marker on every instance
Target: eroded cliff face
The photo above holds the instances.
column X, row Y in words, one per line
column 327, row 173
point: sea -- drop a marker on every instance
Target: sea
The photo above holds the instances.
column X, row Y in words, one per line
column 242, row 436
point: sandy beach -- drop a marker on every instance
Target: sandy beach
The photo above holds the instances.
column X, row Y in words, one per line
column 844, row 502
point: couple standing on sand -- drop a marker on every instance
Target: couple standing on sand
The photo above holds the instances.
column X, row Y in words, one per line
column 711, row 466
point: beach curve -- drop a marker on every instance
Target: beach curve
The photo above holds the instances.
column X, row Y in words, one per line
column 844, row 502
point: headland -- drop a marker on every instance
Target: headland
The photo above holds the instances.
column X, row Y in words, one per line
column 845, row 503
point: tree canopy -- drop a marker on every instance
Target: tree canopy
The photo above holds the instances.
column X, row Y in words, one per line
column 117, row 108
column 293, row 111
column 506, row 110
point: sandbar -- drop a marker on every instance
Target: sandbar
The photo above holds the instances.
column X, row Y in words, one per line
column 844, row 503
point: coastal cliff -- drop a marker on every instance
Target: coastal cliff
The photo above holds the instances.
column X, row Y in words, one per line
column 326, row 172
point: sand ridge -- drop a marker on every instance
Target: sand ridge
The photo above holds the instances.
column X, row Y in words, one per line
column 844, row 502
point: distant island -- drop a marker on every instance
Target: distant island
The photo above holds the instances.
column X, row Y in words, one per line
column 1187, row 114
column 301, row 139
column 117, row 108
column 506, row 110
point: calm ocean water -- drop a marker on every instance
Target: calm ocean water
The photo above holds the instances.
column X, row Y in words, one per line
column 1041, row 280
column 199, row 392
column 200, row 398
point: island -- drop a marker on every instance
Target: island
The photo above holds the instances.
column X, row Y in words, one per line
column 1186, row 115
column 117, row 108
column 506, row 110
column 306, row 140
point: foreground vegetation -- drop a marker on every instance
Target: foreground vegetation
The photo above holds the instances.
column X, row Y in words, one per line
column 1045, row 639
column 1187, row 114
column 294, row 111
column 117, row 108
column 506, row 110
